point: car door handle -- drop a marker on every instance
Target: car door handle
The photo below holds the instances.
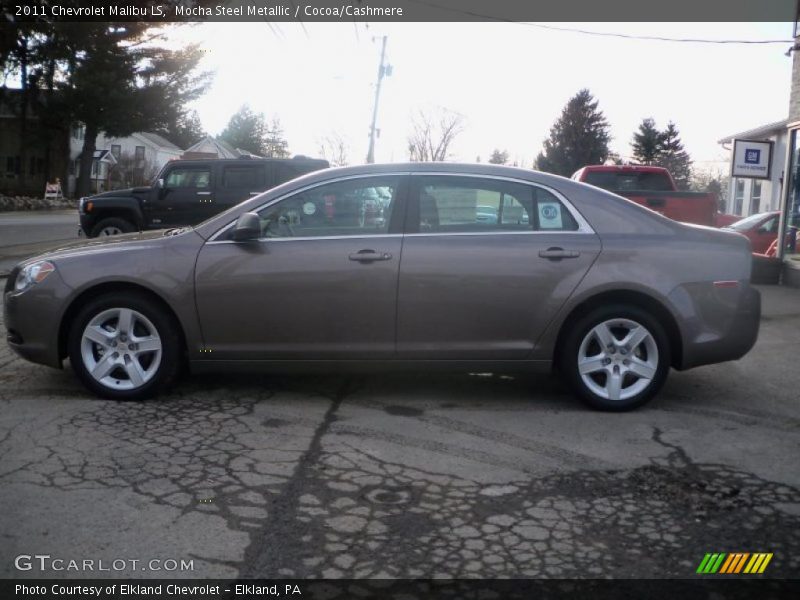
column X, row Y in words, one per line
column 203, row 193
column 254, row 193
column 369, row 256
column 558, row 253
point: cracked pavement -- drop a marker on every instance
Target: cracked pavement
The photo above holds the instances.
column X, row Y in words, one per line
column 414, row 475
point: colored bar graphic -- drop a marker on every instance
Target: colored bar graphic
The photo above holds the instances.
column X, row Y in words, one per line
column 741, row 562
column 734, row 563
column 703, row 563
column 728, row 562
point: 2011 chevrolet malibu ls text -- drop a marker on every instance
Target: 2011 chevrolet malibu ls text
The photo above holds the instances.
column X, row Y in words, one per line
column 562, row 274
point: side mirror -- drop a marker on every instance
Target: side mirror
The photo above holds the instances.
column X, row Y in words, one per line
column 248, row 227
column 160, row 183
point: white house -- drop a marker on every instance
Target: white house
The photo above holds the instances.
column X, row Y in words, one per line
column 750, row 196
column 136, row 159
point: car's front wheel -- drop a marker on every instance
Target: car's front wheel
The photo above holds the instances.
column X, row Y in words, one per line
column 112, row 226
column 616, row 358
column 124, row 346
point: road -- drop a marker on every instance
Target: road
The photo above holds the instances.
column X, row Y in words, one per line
column 408, row 475
column 26, row 233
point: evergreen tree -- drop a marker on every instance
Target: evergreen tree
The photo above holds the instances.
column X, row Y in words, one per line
column 580, row 137
column 246, row 130
column 498, row 158
column 117, row 84
column 186, row 131
column 647, row 142
column 674, row 158
column 275, row 144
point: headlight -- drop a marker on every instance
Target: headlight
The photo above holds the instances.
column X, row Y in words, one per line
column 32, row 274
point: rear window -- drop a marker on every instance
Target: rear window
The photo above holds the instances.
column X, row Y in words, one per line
column 628, row 181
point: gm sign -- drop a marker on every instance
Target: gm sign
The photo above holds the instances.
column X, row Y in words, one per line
column 751, row 158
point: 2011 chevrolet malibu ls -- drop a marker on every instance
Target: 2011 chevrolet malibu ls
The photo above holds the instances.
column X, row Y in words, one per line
column 559, row 274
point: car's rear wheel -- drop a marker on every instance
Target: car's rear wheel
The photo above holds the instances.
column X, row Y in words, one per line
column 112, row 226
column 124, row 346
column 616, row 358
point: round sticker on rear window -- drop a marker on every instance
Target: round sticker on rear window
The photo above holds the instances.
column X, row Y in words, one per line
column 550, row 215
column 309, row 208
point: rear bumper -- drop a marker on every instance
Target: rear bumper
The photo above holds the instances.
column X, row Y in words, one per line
column 724, row 326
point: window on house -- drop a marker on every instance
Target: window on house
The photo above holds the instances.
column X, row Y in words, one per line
column 755, row 197
column 738, row 197
column 139, row 155
column 116, row 150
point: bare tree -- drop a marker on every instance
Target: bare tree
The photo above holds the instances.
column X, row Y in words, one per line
column 433, row 133
column 335, row 149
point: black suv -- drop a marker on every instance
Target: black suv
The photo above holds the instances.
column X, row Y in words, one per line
column 187, row 192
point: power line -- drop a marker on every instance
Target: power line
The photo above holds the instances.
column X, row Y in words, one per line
column 652, row 38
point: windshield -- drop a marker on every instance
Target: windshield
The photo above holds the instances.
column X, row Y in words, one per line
column 747, row 222
column 616, row 181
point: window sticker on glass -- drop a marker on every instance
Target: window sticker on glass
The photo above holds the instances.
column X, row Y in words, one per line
column 550, row 215
column 309, row 208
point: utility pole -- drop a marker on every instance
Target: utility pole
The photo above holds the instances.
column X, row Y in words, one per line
column 383, row 70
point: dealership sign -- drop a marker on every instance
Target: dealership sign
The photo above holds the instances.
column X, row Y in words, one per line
column 751, row 158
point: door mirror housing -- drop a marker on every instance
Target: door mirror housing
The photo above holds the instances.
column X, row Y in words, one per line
column 160, row 183
column 248, row 227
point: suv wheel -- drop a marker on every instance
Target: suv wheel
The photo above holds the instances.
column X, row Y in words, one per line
column 616, row 358
column 124, row 346
column 112, row 226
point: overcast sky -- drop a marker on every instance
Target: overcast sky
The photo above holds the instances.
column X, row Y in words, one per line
column 509, row 81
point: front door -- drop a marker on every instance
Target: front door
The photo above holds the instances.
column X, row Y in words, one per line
column 320, row 283
column 486, row 265
column 185, row 197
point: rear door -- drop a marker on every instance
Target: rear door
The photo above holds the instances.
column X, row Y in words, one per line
column 486, row 264
column 237, row 181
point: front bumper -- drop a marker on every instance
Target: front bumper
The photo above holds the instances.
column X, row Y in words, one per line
column 32, row 319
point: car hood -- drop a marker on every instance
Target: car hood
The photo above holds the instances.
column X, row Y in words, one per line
column 112, row 243
column 134, row 191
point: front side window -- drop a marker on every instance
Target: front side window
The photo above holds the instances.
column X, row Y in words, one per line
column 473, row 205
column 354, row 207
column 188, row 178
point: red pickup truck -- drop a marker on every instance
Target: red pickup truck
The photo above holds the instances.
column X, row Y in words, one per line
column 654, row 188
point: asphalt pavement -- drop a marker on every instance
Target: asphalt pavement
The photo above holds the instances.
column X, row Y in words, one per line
column 27, row 233
column 473, row 475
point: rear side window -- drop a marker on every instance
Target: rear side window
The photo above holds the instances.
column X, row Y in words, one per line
column 250, row 178
column 624, row 181
column 474, row 205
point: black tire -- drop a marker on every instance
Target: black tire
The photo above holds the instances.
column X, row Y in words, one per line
column 165, row 326
column 570, row 349
column 123, row 225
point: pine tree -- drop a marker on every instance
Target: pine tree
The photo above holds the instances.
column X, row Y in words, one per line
column 498, row 157
column 186, row 131
column 275, row 144
column 246, row 130
column 647, row 142
column 580, row 137
column 674, row 158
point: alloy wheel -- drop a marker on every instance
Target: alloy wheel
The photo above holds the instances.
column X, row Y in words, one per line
column 618, row 359
column 121, row 349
